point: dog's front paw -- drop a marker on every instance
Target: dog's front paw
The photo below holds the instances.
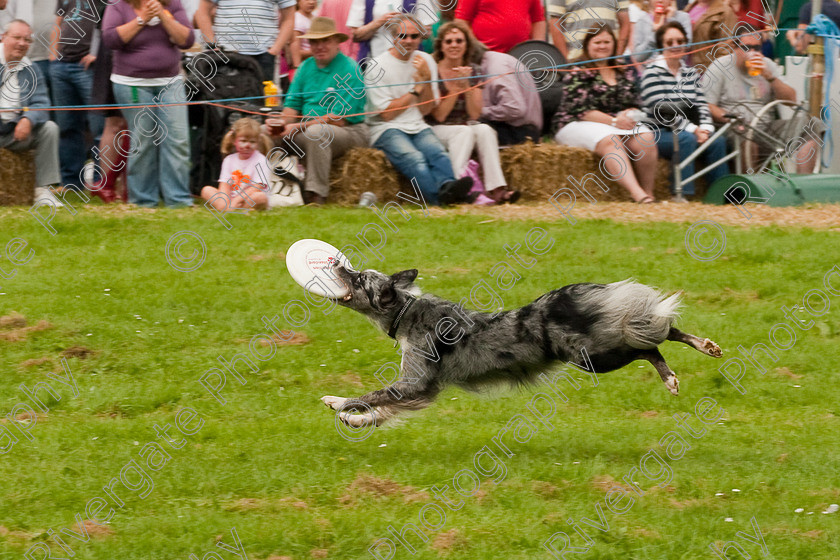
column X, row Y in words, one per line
column 712, row 349
column 356, row 420
column 673, row 385
column 334, row 403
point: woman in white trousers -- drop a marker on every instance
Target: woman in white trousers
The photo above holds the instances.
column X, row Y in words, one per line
column 455, row 119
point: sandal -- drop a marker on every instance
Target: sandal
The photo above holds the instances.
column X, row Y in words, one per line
column 504, row 196
column 646, row 200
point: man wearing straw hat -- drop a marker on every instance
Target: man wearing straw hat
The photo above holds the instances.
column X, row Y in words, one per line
column 323, row 113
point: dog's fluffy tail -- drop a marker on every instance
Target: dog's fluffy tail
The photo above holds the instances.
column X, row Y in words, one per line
column 645, row 314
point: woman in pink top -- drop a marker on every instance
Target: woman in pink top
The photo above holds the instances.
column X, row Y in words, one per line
column 338, row 10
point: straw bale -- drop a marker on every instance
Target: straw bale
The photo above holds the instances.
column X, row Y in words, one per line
column 361, row 170
column 17, row 178
column 538, row 170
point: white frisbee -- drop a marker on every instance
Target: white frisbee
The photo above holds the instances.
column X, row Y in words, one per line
column 310, row 263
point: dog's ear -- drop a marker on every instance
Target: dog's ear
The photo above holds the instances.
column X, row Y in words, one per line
column 387, row 296
column 404, row 278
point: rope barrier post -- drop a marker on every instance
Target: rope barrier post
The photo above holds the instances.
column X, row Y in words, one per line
column 816, row 52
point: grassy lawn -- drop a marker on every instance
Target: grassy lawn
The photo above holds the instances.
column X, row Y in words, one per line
column 137, row 335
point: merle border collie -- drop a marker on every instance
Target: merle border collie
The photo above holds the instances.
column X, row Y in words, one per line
column 441, row 343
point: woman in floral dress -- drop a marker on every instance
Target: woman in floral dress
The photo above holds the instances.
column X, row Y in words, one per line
column 597, row 113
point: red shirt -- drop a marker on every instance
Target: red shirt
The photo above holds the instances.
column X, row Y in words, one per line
column 501, row 24
column 757, row 9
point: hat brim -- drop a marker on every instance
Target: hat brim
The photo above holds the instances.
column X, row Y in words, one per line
column 341, row 36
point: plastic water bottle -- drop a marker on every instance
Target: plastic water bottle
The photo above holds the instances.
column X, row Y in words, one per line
column 367, row 199
column 635, row 115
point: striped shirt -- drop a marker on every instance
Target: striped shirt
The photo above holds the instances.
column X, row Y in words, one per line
column 660, row 86
column 576, row 17
column 248, row 26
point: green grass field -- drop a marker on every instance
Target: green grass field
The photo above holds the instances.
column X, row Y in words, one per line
column 138, row 335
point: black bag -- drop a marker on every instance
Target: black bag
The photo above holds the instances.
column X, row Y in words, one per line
column 235, row 76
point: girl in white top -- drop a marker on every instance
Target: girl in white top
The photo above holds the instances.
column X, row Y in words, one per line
column 245, row 174
column 303, row 19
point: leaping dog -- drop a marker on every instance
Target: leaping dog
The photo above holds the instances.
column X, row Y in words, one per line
column 442, row 344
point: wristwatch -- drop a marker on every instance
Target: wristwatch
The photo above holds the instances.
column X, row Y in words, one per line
column 614, row 120
column 140, row 21
column 414, row 92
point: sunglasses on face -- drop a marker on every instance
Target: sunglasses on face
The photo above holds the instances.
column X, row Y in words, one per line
column 412, row 36
column 756, row 48
column 453, row 41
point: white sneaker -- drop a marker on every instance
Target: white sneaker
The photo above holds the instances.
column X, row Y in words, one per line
column 44, row 193
column 89, row 173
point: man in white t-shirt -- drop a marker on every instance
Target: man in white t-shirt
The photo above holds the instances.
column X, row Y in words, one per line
column 40, row 15
column 373, row 30
column 401, row 88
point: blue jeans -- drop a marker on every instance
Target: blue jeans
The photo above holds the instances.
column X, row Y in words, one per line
column 267, row 64
column 688, row 144
column 159, row 156
column 420, row 156
column 72, row 85
column 44, row 67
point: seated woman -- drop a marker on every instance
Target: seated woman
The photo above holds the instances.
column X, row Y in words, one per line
column 668, row 80
column 594, row 115
column 455, row 119
column 659, row 13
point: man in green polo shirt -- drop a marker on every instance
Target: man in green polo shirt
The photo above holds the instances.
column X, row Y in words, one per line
column 318, row 115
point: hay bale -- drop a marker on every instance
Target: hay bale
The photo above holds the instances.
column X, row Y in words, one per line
column 17, row 178
column 364, row 169
column 538, row 170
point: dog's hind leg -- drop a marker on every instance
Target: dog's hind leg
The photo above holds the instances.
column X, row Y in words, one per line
column 703, row 345
column 668, row 376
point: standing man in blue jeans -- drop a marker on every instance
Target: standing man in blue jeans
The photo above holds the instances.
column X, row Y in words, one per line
column 401, row 86
column 71, row 76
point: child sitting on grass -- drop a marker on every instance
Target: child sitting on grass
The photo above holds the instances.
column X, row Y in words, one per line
column 245, row 171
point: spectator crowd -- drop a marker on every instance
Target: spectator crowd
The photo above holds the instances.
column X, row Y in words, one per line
column 429, row 83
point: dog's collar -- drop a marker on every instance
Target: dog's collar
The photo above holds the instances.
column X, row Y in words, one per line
column 392, row 332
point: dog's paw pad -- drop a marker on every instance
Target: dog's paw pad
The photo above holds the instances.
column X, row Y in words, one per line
column 334, row 403
column 712, row 349
column 673, row 385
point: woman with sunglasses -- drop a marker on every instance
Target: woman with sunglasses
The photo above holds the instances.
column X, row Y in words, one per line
column 455, row 119
column 668, row 80
column 658, row 14
column 600, row 112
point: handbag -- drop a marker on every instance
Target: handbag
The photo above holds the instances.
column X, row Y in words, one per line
column 476, row 194
column 284, row 194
